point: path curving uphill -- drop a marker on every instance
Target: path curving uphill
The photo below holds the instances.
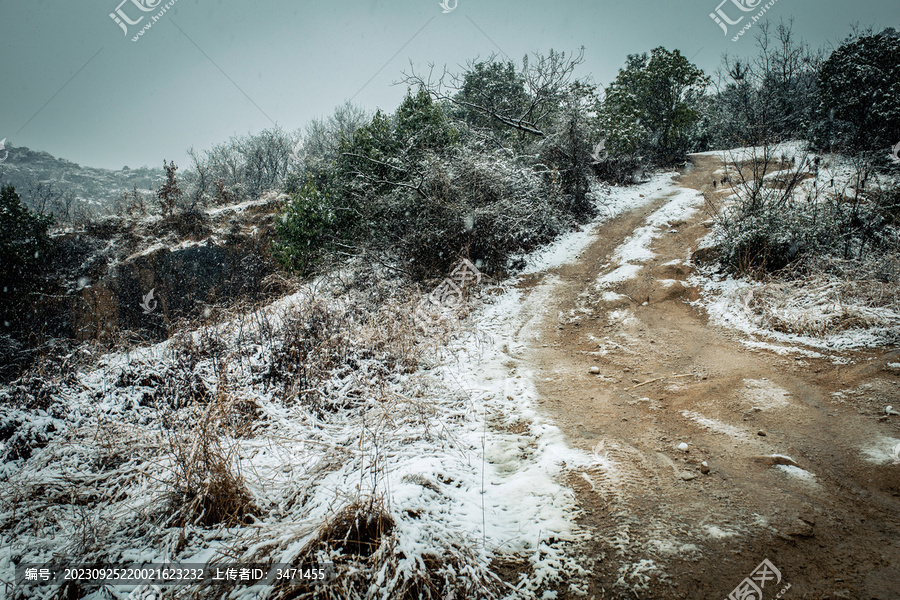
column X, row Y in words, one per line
column 785, row 457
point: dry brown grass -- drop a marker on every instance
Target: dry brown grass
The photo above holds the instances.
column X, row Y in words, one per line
column 361, row 540
column 358, row 529
column 816, row 306
column 207, row 489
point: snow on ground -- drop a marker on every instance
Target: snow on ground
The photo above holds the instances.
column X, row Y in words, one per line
column 791, row 149
column 428, row 448
column 457, row 453
column 788, row 350
column 613, row 202
column 716, row 425
column 729, row 302
column 717, row 533
column 634, row 251
column 765, row 394
column 797, row 473
column 242, row 206
column 883, row 450
column 821, row 313
column 527, row 466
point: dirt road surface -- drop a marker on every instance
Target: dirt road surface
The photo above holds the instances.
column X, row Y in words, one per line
column 785, row 437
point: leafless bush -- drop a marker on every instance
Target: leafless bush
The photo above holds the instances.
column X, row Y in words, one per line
column 314, row 342
column 241, row 168
column 169, row 193
column 130, row 203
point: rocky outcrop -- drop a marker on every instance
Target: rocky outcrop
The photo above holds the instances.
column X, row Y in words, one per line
column 103, row 276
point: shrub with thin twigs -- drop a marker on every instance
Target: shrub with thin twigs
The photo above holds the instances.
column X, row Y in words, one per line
column 783, row 217
column 820, row 244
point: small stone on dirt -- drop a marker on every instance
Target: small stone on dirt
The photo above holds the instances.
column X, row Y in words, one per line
column 761, row 433
column 594, row 370
column 687, row 475
column 799, row 528
column 683, row 447
column 704, row 468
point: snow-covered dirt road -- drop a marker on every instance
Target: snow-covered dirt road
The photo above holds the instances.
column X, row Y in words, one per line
column 695, row 452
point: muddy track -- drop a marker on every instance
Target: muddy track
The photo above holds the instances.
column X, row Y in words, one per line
column 659, row 526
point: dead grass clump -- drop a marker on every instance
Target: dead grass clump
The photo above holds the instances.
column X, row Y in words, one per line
column 369, row 562
column 179, row 387
column 446, row 576
column 357, row 529
column 391, row 335
column 313, row 344
column 191, row 223
column 182, row 384
column 816, row 306
column 207, row 488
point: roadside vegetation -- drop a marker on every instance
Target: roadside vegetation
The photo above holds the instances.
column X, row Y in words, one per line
column 807, row 209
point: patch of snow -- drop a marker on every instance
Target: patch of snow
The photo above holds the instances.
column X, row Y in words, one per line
column 785, row 350
column 612, row 297
column 727, row 301
column 242, row 206
column 797, row 473
column 623, row 273
column 635, row 250
column 881, row 451
column 765, row 394
column 715, row 425
column 623, row 316
column 615, row 201
column 717, row 533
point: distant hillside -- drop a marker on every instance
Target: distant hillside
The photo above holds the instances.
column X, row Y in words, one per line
column 45, row 182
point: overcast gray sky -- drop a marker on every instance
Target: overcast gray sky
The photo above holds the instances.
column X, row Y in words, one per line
column 75, row 85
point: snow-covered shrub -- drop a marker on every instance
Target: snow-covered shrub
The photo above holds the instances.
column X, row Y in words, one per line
column 305, row 229
column 485, row 204
column 311, row 345
column 565, row 153
column 783, row 216
column 24, row 251
column 495, row 164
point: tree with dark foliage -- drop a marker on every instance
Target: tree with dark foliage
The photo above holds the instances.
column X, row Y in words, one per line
column 24, row 248
column 860, row 94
